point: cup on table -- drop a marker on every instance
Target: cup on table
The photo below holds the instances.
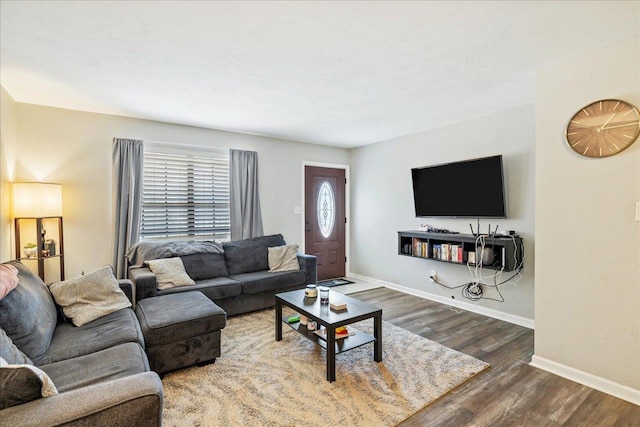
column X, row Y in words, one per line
column 324, row 294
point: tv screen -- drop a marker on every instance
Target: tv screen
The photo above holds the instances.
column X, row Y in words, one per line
column 467, row 189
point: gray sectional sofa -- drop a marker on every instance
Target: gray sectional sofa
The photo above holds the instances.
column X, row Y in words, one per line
column 234, row 275
column 99, row 369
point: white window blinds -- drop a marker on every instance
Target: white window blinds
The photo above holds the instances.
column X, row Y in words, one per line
column 185, row 195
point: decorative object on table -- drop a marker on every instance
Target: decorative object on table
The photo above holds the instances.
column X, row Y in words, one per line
column 30, row 250
column 39, row 202
column 303, row 319
column 603, row 128
column 293, row 319
column 50, row 245
column 341, row 332
column 338, row 305
column 311, row 325
column 324, row 295
column 311, row 291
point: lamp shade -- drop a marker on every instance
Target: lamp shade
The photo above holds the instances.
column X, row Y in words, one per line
column 36, row 200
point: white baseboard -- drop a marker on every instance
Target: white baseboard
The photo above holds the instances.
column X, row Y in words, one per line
column 601, row 384
column 511, row 318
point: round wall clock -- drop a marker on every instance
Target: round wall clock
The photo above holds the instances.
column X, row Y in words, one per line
column 603, row 128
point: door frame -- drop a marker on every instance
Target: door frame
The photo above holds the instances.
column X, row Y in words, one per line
column 347, row 207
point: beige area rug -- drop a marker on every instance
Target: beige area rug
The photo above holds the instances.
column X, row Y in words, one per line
column 261, row 382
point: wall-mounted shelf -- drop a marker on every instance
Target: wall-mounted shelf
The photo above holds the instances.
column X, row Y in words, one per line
column 42, row 253
column 461, row 248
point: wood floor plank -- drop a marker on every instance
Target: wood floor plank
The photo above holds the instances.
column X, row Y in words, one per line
column 510, row 392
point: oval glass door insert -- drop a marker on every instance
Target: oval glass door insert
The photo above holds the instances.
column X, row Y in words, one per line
column 326, row 203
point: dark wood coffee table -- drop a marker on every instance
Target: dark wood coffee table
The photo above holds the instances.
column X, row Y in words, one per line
column 330, row 319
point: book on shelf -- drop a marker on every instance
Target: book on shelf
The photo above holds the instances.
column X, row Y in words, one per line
column 420, row 248
column 436, row 251
column 446, row 252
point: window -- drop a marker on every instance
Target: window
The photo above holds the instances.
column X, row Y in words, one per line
column 185, row 195
column 326, row 209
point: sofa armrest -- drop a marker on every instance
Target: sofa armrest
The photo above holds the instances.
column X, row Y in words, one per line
column 309, row 264
column 135, row 400
column 144, row 282
column 128, row 288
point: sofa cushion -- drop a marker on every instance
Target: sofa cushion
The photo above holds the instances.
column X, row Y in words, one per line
column 283, row 258
column 70, row 341
column 91, row 296
column 262, row 281
column 22, row 384
column 246, row 256
column 170, row 318
column 205, row 266
column 11, row 353
column 169, row 273
column 28, row 314
column 214, row 289
column 109, row 364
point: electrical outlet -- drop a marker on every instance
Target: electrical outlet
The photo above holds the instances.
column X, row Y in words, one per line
column 434, row 274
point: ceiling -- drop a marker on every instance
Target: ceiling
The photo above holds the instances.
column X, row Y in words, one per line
column 336, row 73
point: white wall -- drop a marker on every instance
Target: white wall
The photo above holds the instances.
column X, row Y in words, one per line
column 7, row 150
column 587, row 241
column 74, row 148
column 382, row 202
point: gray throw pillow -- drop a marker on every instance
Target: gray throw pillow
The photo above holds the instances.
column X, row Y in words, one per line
column 169, row 273
column 283, row 258
column 27, row 313
column 22, row 384
column 89, row 297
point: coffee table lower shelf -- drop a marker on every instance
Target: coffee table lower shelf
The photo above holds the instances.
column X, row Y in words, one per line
column 355, row 339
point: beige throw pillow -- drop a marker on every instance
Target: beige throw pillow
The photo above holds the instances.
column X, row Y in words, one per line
column 89, row 297
column 283, row 258
column 170, row 273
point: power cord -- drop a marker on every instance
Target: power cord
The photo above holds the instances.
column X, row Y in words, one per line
column 474, row 290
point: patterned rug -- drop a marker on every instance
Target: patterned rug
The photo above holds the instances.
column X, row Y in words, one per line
column 261, row 382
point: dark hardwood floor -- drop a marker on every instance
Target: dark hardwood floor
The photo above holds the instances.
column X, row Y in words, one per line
column 510, row 392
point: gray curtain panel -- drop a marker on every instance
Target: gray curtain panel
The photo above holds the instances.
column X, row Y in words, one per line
column 246, row 216
column 127, row 184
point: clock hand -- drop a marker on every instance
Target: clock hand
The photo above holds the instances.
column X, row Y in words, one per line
column 618, row 126
column 605, row 123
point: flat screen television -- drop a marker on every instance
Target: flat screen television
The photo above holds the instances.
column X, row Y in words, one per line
column 466, row 189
